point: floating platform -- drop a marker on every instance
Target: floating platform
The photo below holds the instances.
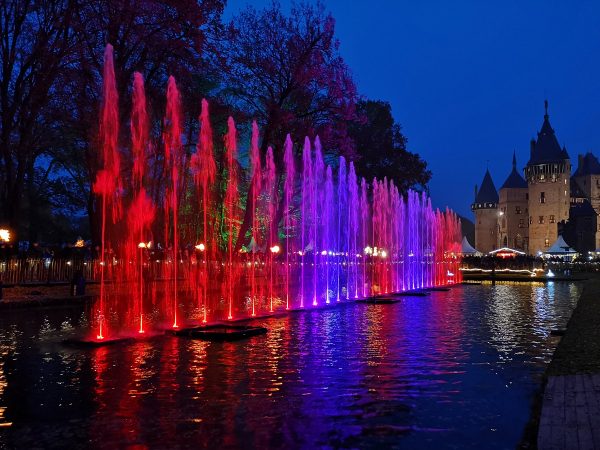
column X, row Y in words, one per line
column 410, row 294
column 379, row 300
column 219, row 332
column 93, row 343
column 437, row 289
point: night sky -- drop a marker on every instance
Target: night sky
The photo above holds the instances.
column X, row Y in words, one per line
column 467, row 80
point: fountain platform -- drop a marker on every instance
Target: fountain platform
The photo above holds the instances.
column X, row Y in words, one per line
column 379, row 300
column 437, row 289
column 219, row 332
column 410, row 294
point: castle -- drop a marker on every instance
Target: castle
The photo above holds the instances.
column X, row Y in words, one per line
column 529, row 213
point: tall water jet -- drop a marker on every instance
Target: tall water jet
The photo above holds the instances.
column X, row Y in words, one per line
column 141, row 212
column 255, row 186
column 365, row 219
column 288, row 195
column 307, row 180
column 173, row 158
column 107, row 182
column 353, row 231
column 317, row 175
column 341, row 222
column 327, row 225
column 205, row 172
column 271, row 201
column 230, row 207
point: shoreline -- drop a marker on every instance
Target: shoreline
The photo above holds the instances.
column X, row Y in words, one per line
column 566, row 411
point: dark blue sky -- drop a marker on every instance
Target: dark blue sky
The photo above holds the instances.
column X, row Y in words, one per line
column 467, row 79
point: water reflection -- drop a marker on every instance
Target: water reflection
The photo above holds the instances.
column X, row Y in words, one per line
column 456, row 369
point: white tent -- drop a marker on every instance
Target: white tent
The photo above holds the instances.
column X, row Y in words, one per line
column 560, row 248
column 468, row 249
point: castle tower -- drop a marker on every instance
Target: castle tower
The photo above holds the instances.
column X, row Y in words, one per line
column 485, row 209
column 547, row 173
column 513, row 212
column 587, row 179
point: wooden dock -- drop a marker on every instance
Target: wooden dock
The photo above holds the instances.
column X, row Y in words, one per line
column 570, row 416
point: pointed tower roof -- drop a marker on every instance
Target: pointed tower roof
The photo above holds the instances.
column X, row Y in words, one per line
column 487, row 192
column 514, row 180
column 588, row 165
column 546, row 148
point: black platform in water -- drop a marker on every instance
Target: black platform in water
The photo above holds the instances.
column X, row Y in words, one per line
column 438, row 289
column 86, row 343
column 379, row 300
column 411, row 294
column 220, row 332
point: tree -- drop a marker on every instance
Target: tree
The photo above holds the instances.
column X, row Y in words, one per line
column 288, row 74
column 36, row 46
column 381, row 148
column 153, row 37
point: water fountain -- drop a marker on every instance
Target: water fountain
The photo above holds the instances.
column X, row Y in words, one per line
column 318, row 233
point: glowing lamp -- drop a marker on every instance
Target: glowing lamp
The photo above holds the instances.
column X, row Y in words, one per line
column 4, row 235
column 275, row 249
column 383, row 254
column 200, row 247
column 550, row 273
column 79, row 243
column 324, row 253
column 142, row 245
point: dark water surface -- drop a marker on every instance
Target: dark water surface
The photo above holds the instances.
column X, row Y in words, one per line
column 457, row 369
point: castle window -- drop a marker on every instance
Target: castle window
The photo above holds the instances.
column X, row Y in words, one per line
column 526, row 196
column 553, row 177
column 542, row 197
column 565, row 192
column 552, row 218
column 517, row 210
column 565, row 181
column 521, row 223
column 542, row 177
column 541, row 219
column 546, row 242
column 530, row 220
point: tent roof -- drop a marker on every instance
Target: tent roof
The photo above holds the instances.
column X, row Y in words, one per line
column 466, row 248
column 560, row 247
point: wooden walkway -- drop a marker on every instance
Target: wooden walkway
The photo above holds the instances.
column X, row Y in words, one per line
column 570, row 416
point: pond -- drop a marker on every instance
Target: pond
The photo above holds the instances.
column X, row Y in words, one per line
column 456, row 369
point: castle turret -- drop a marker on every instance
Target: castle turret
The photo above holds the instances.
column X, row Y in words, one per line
column 513, row 211
column 547, row 173
column 485, row 209
column 587, row 179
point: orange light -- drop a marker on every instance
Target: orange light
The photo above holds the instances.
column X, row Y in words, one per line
column 4, row 235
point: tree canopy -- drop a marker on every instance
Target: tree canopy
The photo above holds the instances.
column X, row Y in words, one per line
column 283, row 70
column 382, row 148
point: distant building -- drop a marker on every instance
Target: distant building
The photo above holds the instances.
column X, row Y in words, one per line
column 513, row 208
column 531, row 212
column 486, row 215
